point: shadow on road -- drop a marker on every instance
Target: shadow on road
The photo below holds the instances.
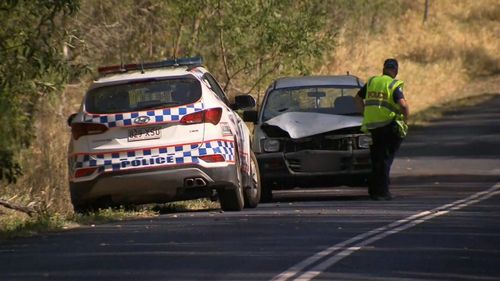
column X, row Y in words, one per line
column 450, row 179
column 471, row 132
column 403, row 187
column 309, row 196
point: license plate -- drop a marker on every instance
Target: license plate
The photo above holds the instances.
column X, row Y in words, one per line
column 145, row 133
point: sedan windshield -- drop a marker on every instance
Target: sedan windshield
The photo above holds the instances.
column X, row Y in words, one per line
column 143, row 95
column 312, row 99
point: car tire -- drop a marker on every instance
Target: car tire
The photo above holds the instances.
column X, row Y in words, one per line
column 83, row 209
column 253, row 191
column 266, row 192
column 233, row 199
column 87, row 206
column 78, row 205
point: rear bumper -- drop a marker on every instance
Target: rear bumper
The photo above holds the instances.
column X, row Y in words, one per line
column 153, row 186
column 314, row 167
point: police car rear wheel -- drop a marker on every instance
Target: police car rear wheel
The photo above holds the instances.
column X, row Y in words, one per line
column 233, row 199
column 78, row 205
column 89, row 207
column 83, row 208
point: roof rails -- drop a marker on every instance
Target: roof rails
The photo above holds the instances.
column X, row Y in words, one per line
column 190, row 62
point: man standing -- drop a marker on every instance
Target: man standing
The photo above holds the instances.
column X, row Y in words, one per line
column 385, row 112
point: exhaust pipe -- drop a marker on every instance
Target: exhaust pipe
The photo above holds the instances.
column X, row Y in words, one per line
column 189, row 182
column 200, row 182
column 195, row 182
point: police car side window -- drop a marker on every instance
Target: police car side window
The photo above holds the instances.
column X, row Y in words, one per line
column 215, row 87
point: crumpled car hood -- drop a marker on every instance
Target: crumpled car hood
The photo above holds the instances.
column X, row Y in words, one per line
column 305, row 124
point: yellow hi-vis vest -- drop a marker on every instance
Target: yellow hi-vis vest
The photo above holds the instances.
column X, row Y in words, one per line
column 380, row 108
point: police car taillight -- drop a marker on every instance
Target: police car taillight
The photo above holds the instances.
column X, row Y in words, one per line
column 85, row 172
column 211, row 115
column 84, row 129
column 213, row 158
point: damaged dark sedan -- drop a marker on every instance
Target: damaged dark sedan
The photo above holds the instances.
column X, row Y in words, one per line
column 308, row 133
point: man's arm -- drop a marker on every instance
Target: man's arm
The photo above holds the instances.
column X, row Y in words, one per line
column 405, row 109
column 399, row 98
column 360, row 104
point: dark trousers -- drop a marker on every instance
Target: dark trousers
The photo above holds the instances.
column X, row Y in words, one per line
column 386, row 142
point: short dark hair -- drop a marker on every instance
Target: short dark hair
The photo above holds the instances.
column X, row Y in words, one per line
column 391, row 64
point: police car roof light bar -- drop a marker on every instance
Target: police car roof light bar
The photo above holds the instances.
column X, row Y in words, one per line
column 194, row 61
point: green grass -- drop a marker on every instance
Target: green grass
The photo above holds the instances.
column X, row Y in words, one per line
column 186, row 206
column 111, row 214
column 14, row 224
column 18, row 225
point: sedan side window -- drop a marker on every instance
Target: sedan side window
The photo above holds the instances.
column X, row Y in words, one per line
column 215, row 87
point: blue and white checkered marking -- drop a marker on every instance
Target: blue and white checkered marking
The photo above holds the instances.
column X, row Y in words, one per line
column 163, row 156
column 156, row 116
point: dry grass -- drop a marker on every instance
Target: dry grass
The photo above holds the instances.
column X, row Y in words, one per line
column 44, row 184
column 458, row 46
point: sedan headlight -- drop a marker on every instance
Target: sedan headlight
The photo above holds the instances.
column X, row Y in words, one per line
column 364, row 141
column 271, row 145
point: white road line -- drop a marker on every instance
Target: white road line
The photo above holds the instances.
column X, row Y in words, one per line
column 341, row 250
column 292, row 271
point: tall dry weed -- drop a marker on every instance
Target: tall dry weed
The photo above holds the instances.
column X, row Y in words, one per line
column 45, row 183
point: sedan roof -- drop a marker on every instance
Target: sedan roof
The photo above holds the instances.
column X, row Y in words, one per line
column 311, row 81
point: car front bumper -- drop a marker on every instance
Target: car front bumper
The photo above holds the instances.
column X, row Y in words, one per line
column 312, row 167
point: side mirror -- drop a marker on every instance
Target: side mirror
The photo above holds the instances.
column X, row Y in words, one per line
column 250, row 116
column 243, row 101
column 70, row 119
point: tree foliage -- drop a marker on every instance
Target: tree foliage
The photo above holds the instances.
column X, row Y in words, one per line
column 260, row 38
column 31, row 66
column 243, row 41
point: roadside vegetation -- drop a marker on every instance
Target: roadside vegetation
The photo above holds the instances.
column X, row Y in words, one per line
column 49, row 51
column 18, row 224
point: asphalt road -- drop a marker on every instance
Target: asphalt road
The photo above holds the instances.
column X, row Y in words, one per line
column 443, row 225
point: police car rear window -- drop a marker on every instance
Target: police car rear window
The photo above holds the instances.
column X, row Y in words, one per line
column 143, row 95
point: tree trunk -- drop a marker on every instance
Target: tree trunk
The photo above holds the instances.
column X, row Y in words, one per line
column 223, row 49
column 195, row 36
column 426, row 10
column 178, row 39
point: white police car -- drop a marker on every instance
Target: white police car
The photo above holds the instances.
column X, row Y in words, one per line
column 159, row 132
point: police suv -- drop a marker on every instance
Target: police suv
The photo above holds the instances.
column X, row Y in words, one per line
column 159, row 132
